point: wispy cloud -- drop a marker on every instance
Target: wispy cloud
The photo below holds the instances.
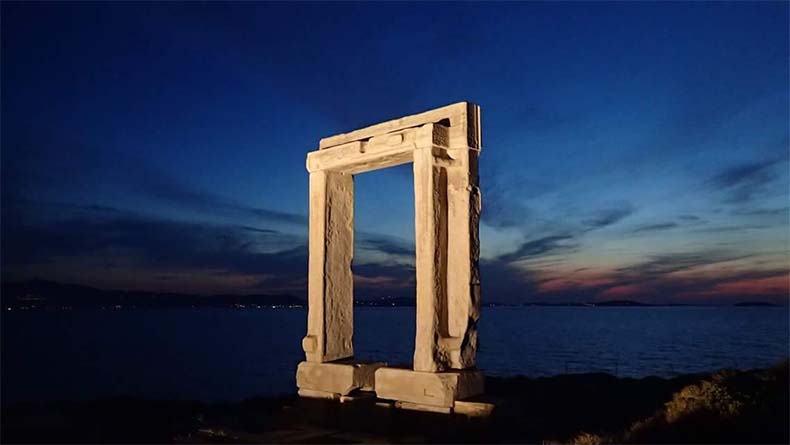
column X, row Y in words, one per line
column 658, row 227
column 744, row 182
column 607, row 217
column 504, row 201
column 748, row 172
column 27, row 173
column 698, row 276
column 385, row 244
column 662, row 264
column 768, row 212
column 94, row 237
column 167, row 189
column 257, row 230
column 547, row 245
column 690, row 218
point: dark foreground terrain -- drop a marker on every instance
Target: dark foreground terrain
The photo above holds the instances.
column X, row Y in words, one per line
column 725, row 407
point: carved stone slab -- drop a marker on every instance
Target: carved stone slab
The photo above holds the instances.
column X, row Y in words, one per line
column 428, row 388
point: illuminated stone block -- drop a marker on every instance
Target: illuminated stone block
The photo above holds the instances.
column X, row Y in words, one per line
column 441, row 389
column 337, row 378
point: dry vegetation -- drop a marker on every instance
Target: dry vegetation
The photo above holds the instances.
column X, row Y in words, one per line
column 729, row 407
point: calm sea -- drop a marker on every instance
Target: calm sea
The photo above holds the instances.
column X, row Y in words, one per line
column 217, row 354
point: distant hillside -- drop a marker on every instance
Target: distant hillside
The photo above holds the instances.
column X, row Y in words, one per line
column 42, row 294
column 620, row 303
column 606, row 303
column 757, row 304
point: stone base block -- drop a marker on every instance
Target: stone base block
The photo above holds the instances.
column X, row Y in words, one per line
column 313, row 394
column 336, row 378
column 359, row 397
column 473, row 409
column 440, row 389
column 425, row 408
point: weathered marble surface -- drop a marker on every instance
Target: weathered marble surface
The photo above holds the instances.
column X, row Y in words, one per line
column 443, row 145
column 336, row 378
column 440, row 389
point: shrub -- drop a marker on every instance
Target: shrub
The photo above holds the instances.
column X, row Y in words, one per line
column 730, row 406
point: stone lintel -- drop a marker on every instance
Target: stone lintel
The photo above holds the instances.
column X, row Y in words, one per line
column 387, row 150
column 461, row 115
column 437, row 389
column 336, row 378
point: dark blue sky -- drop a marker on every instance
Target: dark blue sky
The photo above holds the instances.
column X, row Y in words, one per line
column 630, row 150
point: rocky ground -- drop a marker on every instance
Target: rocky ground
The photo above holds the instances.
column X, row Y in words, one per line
column 724, row 407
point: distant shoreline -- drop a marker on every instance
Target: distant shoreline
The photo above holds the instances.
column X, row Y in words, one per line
column 37, row 295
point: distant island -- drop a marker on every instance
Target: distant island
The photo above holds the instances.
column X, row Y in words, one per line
column 604, row 303
column 51, row 295
column 757, row 304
